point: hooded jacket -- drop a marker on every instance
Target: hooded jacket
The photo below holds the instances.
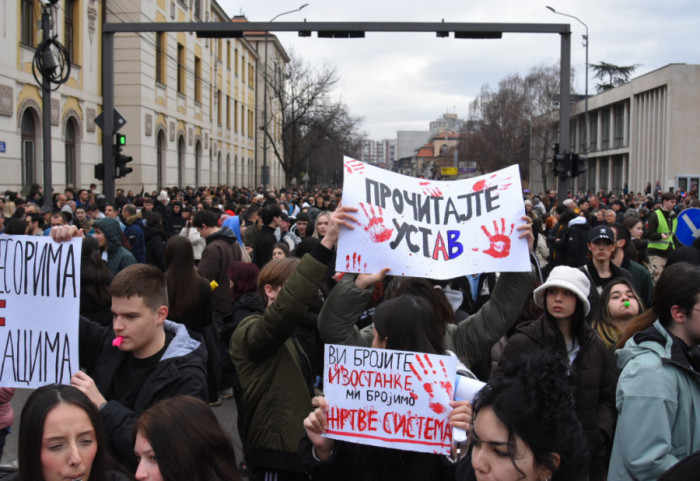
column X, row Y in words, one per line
column 180, row 371
column 657, row 397
column 221, row 251
column 134, row 234
column 118, row 257
column 592, row 379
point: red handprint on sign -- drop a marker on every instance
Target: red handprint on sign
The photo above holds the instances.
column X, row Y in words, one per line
column 353, row 166
column 499, row 242
column 356, row 262
column 430, row 190
column 376, row 228
column 486, row 183
column 428, row 386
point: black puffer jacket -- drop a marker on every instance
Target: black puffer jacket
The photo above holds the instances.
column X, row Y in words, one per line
column 180, row 371
column 593, row 377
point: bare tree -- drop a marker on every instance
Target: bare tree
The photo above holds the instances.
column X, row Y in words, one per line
column 612, row 76
column 543, row 87
column 309, row 118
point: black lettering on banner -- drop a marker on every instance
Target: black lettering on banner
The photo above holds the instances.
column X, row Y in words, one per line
column 397, row 200
column 384, row 193
column 36, row 356
column 371, row 187
column 352, row 394
column 411, row 200
column 336, row 355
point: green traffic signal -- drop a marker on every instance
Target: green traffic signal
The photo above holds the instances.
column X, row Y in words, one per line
column 121, row 139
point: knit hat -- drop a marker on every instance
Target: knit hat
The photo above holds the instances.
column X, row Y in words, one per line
column 567, row 278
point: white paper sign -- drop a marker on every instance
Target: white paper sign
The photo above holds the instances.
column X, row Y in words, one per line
column 39, row 310
column 434, row 229
column 395, row 399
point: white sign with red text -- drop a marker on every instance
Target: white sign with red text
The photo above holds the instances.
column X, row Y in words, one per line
column 430, row 228
column 39, row 310
column 388, row 398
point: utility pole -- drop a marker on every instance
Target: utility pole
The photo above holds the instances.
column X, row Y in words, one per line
column 46, row 112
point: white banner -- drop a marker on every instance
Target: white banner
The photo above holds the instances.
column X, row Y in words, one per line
column 39, row 310
column 434, row 229
column 395, row 399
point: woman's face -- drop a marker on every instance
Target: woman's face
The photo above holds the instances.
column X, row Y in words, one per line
column 322, row 225
column 68, row 444
column 100, row 236
column 278, row 253
column 490, row 455
column 148, row 468
column 561, row 303
column 637, row 230
column 622, row 304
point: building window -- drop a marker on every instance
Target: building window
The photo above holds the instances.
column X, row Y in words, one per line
column 28, row 150
column 181, row 69
column 235, row 62
column 71, row 160
column 235, row 116
column 181, row 161
column 228, row 112
column 27, row 19
column 160, row 157
column 581, row 134
column 605, row 129
column 242, row 69
column 251, row 74
column 618, row 124
column 218, row 107
column 161, row 57
column 228, row 54
column 242, row 119
column 593, row 133
column 250, row 123
column 592, row 175
column 198, row 9
column 69, row 29
column 197, row 162
column 197, row 79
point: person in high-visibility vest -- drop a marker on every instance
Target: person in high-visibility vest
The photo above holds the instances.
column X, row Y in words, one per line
column 661, row 230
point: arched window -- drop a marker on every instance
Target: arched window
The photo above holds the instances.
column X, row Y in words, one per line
column 28, row 150
column 71, row 157
column 181, row 161
column 161, row 147
column 197, row 162
column 228, row 169
column 235, row 171
column 218, row 169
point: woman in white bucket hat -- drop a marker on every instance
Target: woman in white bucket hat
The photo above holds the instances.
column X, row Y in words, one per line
column 592, row 375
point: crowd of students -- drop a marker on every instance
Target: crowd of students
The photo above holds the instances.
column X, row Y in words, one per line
column 187, row 296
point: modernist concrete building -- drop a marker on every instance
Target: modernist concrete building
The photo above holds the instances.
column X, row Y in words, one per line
column 646, row 130
column 189, row 103
column 75, row 140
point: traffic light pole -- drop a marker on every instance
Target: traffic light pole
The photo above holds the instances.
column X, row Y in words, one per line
column 564, row 109
column 108, row 184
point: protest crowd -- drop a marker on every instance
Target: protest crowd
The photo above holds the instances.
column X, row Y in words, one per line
column 193, row 295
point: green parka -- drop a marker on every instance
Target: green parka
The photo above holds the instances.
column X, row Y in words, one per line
column 274, row 369
column 471, row 339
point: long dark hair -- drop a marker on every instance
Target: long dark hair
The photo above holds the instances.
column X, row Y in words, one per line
column 188, row 441
column 95, row 276
column 678, row 285
column 31, row 432
column 532, row 398
column 408, row 323
column 425, row 290
column 181, row 276
column 244, row 276
column 602, row 322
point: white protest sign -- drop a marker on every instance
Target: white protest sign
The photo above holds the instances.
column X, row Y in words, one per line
column 39, row 310
column 383, row 397
column 434, row 229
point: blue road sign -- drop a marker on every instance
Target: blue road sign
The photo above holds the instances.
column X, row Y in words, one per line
column 688, row 226
column 3, row 147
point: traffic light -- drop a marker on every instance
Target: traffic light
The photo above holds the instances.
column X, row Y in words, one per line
column 100, row 172
column 579, row 164
column 120, row 160
column 562, row 165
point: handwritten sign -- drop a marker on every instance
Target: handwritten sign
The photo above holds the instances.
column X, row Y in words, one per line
column 435, row 229
column 39, row 309
column 388, row 398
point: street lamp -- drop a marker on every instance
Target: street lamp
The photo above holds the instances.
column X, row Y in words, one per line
column 585, row 44
column 265, row 173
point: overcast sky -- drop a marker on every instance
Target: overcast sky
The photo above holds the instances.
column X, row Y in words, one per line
column 403, row 81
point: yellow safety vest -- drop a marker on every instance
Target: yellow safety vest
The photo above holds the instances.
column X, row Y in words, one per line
column 664, row 244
